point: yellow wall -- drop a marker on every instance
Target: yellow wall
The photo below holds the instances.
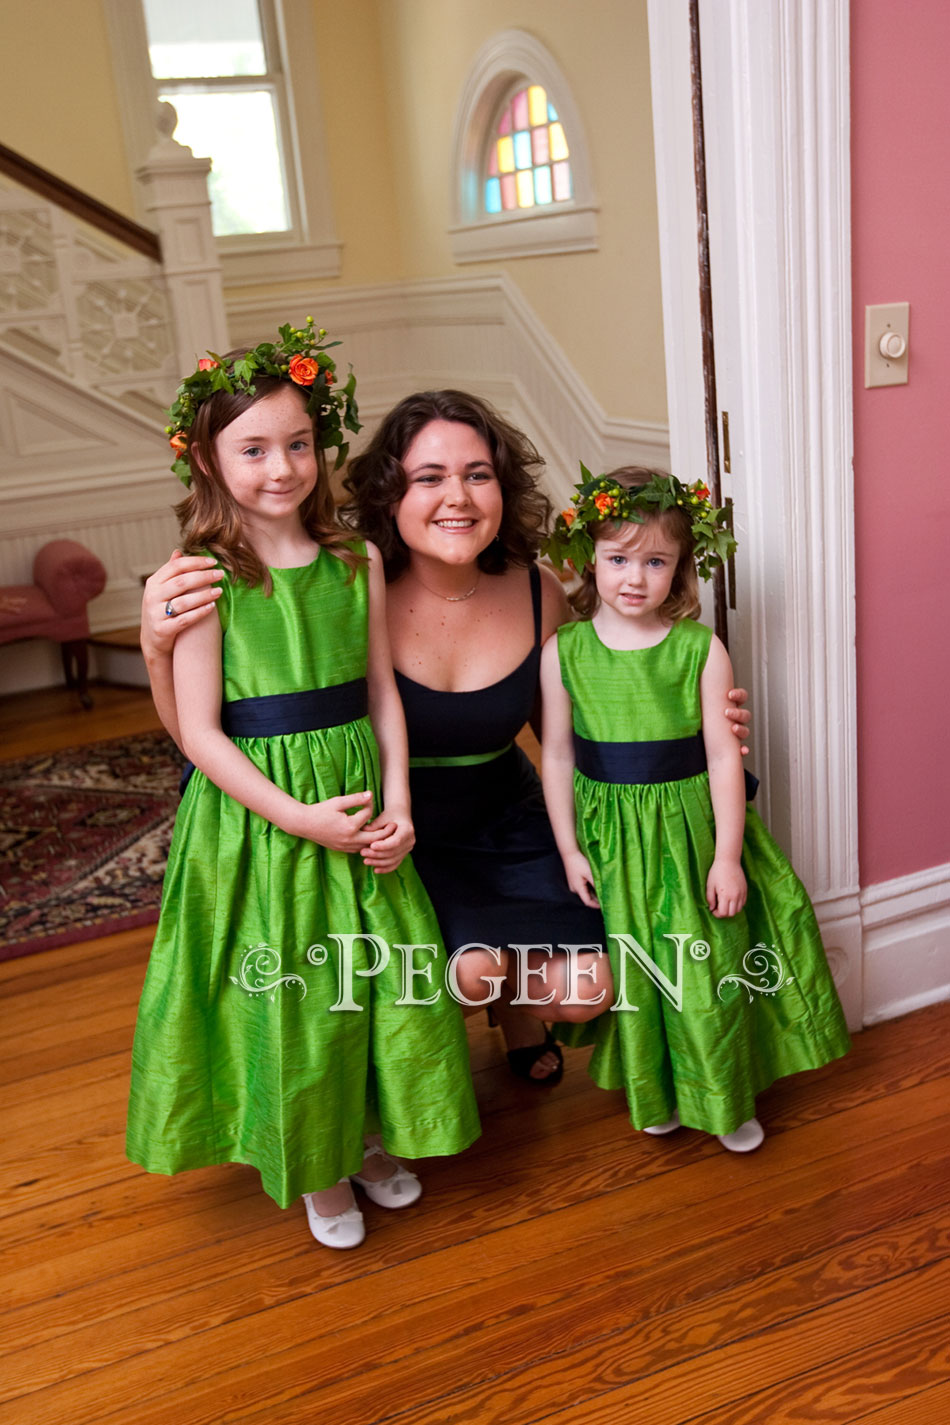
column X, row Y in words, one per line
column 57, row 99
column 352, row 86
column 391, row 73
column 603, row 308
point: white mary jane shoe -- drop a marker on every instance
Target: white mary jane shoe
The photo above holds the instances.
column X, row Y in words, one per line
column 745, row 1139
column 346, row 1229
column 658, row 1129
column 400, row 1189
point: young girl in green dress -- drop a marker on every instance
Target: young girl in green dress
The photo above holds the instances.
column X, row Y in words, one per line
column 269, row 1029
column 721, row 983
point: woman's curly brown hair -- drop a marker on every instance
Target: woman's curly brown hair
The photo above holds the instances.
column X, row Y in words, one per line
column 376, row 480
column 683, row 599
column 209, row 515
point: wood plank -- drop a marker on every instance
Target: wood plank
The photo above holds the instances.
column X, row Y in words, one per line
column 298, row 1323
column 564, row 1267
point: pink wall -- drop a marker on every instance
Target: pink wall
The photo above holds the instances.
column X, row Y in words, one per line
column 900, row 66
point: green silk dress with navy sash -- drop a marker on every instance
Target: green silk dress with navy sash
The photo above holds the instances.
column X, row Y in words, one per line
column 729, row 1005
column 239, row 1055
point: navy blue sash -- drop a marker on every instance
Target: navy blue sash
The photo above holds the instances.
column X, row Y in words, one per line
column 284, row 713
column 671, row 760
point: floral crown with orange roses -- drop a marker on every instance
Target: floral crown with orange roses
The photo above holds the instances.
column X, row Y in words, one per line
column 299, row 356
column 603, row 498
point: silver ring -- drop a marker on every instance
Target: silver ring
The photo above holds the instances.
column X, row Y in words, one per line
column 169, row 611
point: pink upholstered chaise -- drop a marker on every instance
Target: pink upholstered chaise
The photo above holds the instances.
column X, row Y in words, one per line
column 66, row 576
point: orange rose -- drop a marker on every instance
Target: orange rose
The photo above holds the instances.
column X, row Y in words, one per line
column 303, row 369
column 604, row 502
column 328, row 376
column 206, row 364
column 178, row 443
column 703, row 492
column 568, row 516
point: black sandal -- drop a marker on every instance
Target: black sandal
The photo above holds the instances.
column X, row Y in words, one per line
column 522, row 1061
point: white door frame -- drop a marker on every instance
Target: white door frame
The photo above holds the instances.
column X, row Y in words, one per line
column 782, row 186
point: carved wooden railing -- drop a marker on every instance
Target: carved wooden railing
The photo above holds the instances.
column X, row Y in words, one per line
column 88, row 292
column 73, row 200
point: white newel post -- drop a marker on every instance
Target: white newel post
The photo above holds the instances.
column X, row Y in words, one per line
column 176, row 194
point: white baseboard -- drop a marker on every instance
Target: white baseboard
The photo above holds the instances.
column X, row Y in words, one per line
column 36, row 663
column 906, row 943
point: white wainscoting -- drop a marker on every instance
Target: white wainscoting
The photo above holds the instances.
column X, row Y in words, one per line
column 906, row 943
column 81, row 467
column 477, row 333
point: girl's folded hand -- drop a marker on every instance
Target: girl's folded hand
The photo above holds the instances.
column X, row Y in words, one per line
column 394, row 837
column 335, row 823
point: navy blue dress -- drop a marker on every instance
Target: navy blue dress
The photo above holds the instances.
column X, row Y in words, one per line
column 484, row 846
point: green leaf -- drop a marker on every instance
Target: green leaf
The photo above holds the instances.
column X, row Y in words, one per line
column 244, row 369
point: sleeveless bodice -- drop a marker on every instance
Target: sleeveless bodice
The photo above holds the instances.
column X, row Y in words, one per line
column 310, row 632
column 444, row 724
column 634, row 695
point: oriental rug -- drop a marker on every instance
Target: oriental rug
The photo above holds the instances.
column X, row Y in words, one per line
column 84, row 836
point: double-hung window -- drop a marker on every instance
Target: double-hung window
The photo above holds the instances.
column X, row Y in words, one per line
column 218, row 62
column 241, row 75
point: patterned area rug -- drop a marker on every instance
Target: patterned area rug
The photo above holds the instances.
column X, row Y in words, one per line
column 84, row 836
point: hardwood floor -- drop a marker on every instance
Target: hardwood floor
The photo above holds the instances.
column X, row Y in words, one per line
column 564, row 1269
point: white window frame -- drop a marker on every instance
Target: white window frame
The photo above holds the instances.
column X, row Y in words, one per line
column 507, row 61
column 311, row 247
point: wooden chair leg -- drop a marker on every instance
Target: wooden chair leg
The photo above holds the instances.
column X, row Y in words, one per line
column 76, row 668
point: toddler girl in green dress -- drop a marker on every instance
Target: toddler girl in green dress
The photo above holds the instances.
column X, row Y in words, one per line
column 270, row 1030
column 721, row 982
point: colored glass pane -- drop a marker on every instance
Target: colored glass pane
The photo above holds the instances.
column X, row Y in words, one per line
column 522, row 150
column 537, row 105
column 559, row 148
column 527, row 164
column 561, row 173
column 542, row 185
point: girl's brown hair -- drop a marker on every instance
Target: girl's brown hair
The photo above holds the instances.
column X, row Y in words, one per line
column 376, row 479
column 209, row 516
column 683, row 598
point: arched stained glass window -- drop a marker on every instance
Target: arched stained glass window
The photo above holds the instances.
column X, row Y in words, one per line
column 528, row 162
column 522, row 172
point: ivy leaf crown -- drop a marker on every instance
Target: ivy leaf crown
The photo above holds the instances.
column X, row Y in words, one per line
column 301, row 355
column 599, row 498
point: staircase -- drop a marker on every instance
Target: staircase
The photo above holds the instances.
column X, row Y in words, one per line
column 98, row 318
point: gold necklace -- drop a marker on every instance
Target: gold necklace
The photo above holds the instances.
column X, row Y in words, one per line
column 451, row 598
